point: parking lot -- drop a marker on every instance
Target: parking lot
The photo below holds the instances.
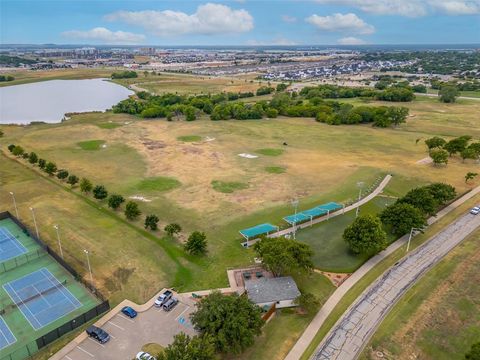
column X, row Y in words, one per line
column 129, row 335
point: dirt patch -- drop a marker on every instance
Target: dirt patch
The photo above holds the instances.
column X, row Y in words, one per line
column 337, row 279
column 425, row 161
column 152, row 144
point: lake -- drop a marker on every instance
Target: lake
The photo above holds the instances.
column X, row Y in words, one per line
column 49, row 101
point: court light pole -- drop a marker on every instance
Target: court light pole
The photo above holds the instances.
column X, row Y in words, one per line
column 15, row 204
column 59, row 242
column 89, row 267
column 295, row 205
column 35, row 222
column 360, row 185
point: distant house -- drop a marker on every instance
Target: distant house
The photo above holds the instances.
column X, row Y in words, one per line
column 264, row 292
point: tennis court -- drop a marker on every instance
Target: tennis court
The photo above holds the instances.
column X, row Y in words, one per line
column 41, row 297
column 6, row 336
column 10, row 247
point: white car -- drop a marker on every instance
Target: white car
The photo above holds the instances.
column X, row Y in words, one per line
column 144, row 356
column 475, row 210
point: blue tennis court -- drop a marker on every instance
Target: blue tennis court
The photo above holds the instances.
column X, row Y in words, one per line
column 41, row 297
column 6, row 336
column 10, row 247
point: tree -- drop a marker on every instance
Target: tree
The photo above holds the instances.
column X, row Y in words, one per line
column 470, row 176
column 365, row 235
column 308, row 302
column 11, row 147
column 185, row 347
column 32, row 158
column 42, row 163
column 62, row 174
column 1, row 133
column 474, row 353
column 100, row 192
column 439, row 156
column 172, row 229
column 115, row 200
column 132, row 211
column 284, row 256
column 457, row 145
column 196, row 243
column 435, row 142
column 448, row 93
column 233, row 321
column 50, row 168
column 397, row 114
column 422, row 199
column 85, row 185
column 402, row 218
column 18, row 150
column 441, row 192
column 151, row 222
column 469, row 153
column 72, row 180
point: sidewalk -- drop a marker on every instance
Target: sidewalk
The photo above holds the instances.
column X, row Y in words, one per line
column 307, row 337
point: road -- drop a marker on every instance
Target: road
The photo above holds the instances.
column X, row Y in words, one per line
column 354, row 329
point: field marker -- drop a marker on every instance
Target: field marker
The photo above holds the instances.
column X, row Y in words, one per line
column 85, row 351
column 121, row 328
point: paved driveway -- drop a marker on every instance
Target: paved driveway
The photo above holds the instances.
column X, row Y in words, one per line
column 129, row 335
column 354, row 329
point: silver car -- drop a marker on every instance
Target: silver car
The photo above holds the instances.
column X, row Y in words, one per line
column 475, row 210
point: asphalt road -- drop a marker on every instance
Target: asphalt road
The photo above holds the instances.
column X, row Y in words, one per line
column 354, row 329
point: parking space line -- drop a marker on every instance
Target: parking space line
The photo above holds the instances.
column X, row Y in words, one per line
column 113, row 337
column 96, row 342
column 118, row 326
column 188, row 307
column 68, row 357
column 85, row 351
column 126, row 318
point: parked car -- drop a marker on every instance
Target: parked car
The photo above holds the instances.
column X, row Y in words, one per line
column 475, row 210
column 162, row 299
column 170, row 304
column 98, row 334
column 144, row 356
column 128, row 311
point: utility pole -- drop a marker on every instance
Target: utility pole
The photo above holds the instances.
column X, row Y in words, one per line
column 35, row 222
column 295, row 205
column 15, row 204
column 59, row 242
column 89, row 267
column 360, row 185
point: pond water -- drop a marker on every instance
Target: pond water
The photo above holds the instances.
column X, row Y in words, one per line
column 49, row 101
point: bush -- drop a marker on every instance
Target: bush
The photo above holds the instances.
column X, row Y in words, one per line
column 100, row 192
column 132, row 211
column 196, row 243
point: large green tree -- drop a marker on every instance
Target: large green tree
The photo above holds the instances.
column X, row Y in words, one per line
column 32, row 158
column 85, row 185
column 100, row 192
column 448, row 93
column 172, row 229
column 439, row 156
column 132, row 211
column 422, row 199
column 233, row 321
column 365, row 235
column 151, row 221
column 50, row 168
column 284, row 256
column 196, row 243
column 441, row 192
column 402, row 217
column 115, row 200
column 185, row 347
column 435, row 142
column 457, row 145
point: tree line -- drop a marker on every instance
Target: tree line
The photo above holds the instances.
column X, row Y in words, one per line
column 197, row 241
column 368, row 233
column 127, row 74
column 6, row 78
column 440, row 150
column 221, row 107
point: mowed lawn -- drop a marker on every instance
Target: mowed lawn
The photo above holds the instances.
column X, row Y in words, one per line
column 331, row 252
column 439, row 318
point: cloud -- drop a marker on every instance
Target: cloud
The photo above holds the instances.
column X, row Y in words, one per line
column 341, row 22
column 289, row 19
column 411, row 8
column 209, row 19
column 350, row 40
column 275, row 42
column 101, row 34
column 457, row 7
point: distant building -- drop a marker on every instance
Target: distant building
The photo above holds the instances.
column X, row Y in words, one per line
column 264, row 292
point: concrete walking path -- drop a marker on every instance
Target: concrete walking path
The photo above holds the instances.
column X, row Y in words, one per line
column 308, row 335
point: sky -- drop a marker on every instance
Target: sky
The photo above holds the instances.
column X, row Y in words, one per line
column 240, row 22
